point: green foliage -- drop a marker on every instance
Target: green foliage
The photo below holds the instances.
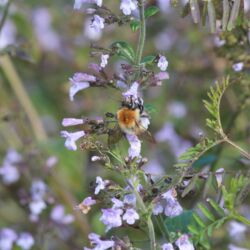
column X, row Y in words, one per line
column 151, row 11
column 206, row 222
column 213, row 106
column 148, row 60
column 135, row 25
column 124, row 50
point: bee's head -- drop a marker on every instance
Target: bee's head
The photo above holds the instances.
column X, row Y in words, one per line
column 133, row 103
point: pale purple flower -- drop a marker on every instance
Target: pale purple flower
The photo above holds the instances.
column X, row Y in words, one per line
column 237, row 230
column 219, row 42
column 111, row 218
column 71, row 122
column 117, row 203
column 25, row 241
column 233, row 247
column 38, row 190
column 99, row 244
column 78, row 3
column 177, row 109
column 130, row 216
column 42, row 22
column 7, row 238
column 78, row 82
column 71, row 138
column 89, row 201
column 95, row 67
column 100, row 185
column 58, row 215
column 158, row 208
column 183, row 243
column 97, row 23
column 162, row 63
column 132, row 91
column 89, row 32
column 219, row 176
column 167, row 246
column 8, row 34
column 130, row 199
column 51, row 161
column 135, row 146
column 104, row 60
column 127, row 6
column 161, row 76
column 237, row 67
column 172, row 208
column 10, row 174
column 36, row 207
column 86, row 204
column 12, row 157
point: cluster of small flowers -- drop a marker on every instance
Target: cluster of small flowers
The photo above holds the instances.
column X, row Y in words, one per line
column 8, row 237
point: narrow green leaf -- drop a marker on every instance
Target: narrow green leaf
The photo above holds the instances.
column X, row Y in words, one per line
column 148, row 59
column 124, row 50
column 150, row 11
column 199, row 220
column 135, row 25
column 206, row 212
column 190, row 186
column 216, row 207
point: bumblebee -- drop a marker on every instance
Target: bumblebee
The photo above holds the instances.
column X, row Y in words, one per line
column 132, row 119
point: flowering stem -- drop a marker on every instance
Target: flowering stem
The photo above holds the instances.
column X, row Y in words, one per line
column 142, row 36
column 150, row 224
column 242, row 151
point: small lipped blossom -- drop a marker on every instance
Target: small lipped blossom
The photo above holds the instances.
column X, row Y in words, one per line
column 95, row 240
column 132, row 91
column 7, row 238
column 130, row 216
column 58, row 215
column 135, row 146
column 183, row 243
column 237, row 67
column 167, row 246
column 78, row 3
column 111, row 218
column 66, row 122
column 162, row 63
column 127, row 6
column 71, row 138
column 104, row 60
column 101, row 184
column 25, row 241
column 97, row 23
column 159, row 77
column 86, row 204
column 78, row 82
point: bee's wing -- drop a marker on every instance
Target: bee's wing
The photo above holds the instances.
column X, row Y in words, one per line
column 144, row 134
column 115, row 134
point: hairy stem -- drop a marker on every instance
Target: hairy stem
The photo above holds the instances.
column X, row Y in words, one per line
column 241, row 150
column 17, row 86
column 142, row 36
column 150, row 224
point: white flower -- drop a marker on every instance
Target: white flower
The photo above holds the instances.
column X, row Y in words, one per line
column 7, row 238
column 76, row 85
column 71, row 122
column 135, row 146
column 71, row 139
column 219, row 176
column 162, row 63
column 95, row 158
column 184, row 244
column 237, row 67
column 167, row 246
column 97, row 23
column 25, row 241
column 10, row 174
column 58, row 215
column 132, row 91
column 130, row 216
column 104, row 60
column 100, row 185
column 127, row 6
column 36, row 207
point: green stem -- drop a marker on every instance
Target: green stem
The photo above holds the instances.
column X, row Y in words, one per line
column 241, row 219
column 242, row 151
column 150, row 224
column 142, row 36
column 5, row 14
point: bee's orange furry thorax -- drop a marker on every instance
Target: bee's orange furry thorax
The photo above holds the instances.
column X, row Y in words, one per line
column 128, row 118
